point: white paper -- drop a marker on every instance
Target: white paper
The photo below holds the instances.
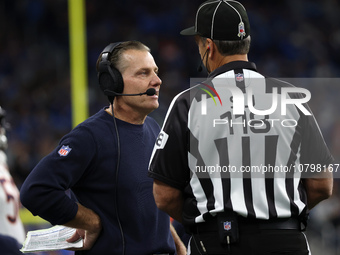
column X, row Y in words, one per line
column 50, row 239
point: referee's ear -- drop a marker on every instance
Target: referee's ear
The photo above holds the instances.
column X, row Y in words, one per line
column 211, row 48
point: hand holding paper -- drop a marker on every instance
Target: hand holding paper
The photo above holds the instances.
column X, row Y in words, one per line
column 50, row 239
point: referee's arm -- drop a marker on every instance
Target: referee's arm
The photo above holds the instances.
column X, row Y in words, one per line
column 168, row 199
column 318, row 189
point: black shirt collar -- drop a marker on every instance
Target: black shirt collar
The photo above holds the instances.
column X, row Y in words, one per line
column 231, row 66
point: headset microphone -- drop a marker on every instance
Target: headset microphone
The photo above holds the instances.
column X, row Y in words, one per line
column 149, row 92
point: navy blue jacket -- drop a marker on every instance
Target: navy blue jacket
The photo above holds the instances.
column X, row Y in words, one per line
column 85, row 162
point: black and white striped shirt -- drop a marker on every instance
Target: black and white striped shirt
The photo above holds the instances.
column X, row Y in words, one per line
column 225, row 152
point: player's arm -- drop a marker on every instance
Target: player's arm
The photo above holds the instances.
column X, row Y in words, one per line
column 168, row 199
column 319, row 188
column 88, row 225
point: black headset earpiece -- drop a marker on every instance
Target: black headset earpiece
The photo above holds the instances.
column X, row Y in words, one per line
column 109, row 78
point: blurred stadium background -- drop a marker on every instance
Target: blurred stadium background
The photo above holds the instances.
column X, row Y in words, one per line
column 290, row 38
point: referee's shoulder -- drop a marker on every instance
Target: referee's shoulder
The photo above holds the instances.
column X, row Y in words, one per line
column 182, row 98
column 278, row 83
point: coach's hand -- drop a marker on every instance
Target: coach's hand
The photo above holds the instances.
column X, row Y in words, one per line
column 88, row 225
column 88, row 237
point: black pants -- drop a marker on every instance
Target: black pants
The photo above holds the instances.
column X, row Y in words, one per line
column 259, row 242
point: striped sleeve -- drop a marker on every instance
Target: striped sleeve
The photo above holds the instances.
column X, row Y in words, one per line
column 169, row 160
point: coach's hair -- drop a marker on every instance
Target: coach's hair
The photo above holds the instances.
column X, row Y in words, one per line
column 116, row 58
column 228, row 48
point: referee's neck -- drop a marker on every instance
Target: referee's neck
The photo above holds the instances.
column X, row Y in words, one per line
column 222, row 60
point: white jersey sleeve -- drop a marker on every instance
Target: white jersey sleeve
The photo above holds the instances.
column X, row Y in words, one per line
column 10, row 222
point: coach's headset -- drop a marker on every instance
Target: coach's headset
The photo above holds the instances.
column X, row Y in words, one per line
column 109, row 78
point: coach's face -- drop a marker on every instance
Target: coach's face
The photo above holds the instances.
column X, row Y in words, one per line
column 140, row 74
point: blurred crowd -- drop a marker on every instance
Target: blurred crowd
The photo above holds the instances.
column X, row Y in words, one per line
column 290, row 39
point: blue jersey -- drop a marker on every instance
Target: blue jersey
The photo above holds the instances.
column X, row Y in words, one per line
column 85, row 161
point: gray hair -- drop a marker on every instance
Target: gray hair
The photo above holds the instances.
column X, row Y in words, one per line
column 116, row 58
column 228, row 48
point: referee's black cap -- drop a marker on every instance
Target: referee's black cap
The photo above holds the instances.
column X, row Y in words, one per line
column 220, row 20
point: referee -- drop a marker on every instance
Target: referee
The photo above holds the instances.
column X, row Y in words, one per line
column 229, row 160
